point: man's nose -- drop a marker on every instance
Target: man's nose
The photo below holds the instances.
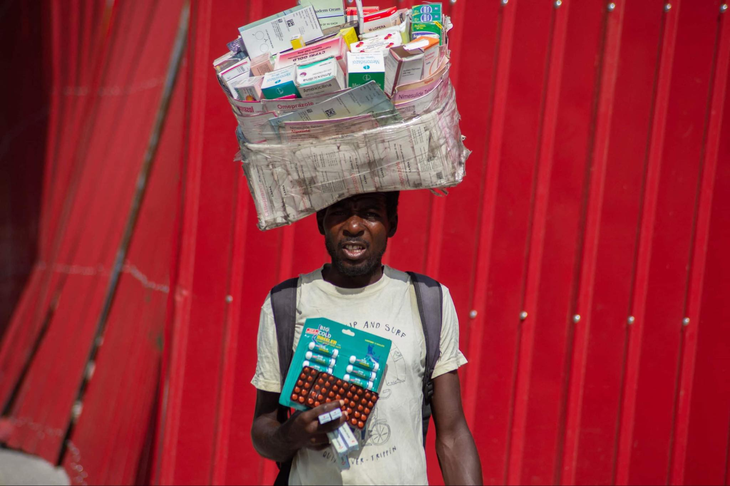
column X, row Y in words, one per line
column 353, row 226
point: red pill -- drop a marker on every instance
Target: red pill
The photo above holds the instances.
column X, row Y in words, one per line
column 310, row 379
column 300, row 382
column 294, row 396
column 353, row 421
column 368, row 395
column 327, row 400
column 370, row 404
column 360, row 408
column 360, row 424
column 301, row 400
column 349, row 411
column 339, row 382
column 349, row 394
column 363, row 417
column 330, row 378
column 317, row 404
column 331, row 394
column 320, row 397
column 310, row 401
column 338, row 397
column 366, row 411
column 297, row 389
column 317, row 387
column 357, row 414
column 320, row 381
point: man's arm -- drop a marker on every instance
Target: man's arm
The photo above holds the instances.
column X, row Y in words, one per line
column 455, row 447
column 279, row 442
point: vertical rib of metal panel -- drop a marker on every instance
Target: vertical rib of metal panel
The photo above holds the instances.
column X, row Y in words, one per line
column 647, row 225
column 539, row 210
column 598, row 161
column 699, row 257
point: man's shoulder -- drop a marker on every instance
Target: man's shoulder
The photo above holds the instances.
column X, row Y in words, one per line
column 302, row 278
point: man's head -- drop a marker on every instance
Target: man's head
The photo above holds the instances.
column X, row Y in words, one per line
column 356, row 231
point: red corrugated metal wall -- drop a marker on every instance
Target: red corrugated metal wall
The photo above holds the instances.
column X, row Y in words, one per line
column 586, row 250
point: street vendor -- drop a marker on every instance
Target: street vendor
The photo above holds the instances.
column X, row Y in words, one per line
column 356, row 289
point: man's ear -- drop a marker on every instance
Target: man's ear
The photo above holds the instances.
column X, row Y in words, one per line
column 393, row 226
column 320, row 221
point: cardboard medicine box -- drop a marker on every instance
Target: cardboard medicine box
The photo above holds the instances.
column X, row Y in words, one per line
column 365, row 67
column 319, row 77
column 279, row 83
column 430, row 12
column 402, row 66
column 246, row 88
column 273, row 34
column 329, row 12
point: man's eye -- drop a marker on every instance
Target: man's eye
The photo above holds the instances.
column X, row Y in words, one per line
column 372, row 215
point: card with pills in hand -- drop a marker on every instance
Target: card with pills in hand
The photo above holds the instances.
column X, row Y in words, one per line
column 335, row 362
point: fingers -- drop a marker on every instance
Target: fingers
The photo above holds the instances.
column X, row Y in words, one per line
column 327, row 407
column 314, row 414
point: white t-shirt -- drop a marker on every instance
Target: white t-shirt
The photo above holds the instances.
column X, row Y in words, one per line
column 391, row 446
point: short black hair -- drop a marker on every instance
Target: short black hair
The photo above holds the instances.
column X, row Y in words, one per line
column 391, row 205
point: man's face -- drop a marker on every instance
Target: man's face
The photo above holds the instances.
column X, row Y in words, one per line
column 356, row 233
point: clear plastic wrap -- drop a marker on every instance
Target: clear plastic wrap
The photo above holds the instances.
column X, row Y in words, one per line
column 304, row 166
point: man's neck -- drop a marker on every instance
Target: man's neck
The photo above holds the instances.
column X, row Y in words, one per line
column 331, row 275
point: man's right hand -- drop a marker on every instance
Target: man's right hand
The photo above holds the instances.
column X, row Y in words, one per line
column 279, row 442
column 304, row 429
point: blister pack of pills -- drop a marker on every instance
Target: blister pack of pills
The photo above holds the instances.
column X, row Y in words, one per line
column 334, row 362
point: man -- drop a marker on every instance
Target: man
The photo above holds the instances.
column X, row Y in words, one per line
column 357, row 290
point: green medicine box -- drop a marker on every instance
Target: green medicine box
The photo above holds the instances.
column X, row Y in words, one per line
column 419, row 29
column 365, row 67
column 427, row 13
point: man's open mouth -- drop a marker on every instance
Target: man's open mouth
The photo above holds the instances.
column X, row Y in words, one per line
column 354, row 251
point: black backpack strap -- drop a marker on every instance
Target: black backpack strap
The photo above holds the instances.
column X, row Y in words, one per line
column 429, row 297
column 284, row 308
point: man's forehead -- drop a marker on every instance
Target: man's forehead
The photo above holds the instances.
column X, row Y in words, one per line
column 372, row 199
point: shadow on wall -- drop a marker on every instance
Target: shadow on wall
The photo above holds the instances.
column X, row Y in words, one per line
column 24, row 96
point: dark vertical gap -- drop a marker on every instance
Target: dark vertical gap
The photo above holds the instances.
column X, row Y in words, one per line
column 577, row 266
column 637, row 240
column 144, row 464
column 690, row 259
column 25, row 102
column 141, row 186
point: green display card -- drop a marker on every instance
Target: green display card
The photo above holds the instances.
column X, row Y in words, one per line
column 334, row 347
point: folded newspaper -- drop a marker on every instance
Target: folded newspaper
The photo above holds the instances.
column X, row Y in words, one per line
column 343, row 108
